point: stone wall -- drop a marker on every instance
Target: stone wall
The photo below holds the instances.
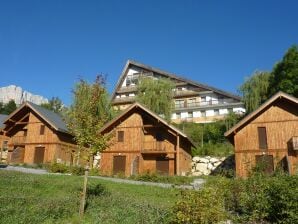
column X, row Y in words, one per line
column 207, row 165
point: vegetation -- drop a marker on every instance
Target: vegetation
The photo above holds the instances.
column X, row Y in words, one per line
column 55, row 199
column 8, row 108
column 209, row 138
column 157, row 95
column 54, row 104
column 262, row 85
column 90, row 110
column 258, row 199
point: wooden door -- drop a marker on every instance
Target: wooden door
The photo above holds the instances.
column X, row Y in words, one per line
column 17, row 155
column 265, row 163
column 135, row 166
column 119, row 163
column 162, row 166
column 39, row 155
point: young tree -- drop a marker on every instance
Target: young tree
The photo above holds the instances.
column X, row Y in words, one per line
column 284, row 75
column 90, row 110
column 54, row 104
column 255, row 90
column 157, row 95
column 9, row 107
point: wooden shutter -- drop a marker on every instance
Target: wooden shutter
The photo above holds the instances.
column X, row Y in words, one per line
column 120, row 136
column 262, row 137
column 42, row 128
column 119, row 163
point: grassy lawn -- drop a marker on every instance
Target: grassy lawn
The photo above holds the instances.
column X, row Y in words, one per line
column 27, row 198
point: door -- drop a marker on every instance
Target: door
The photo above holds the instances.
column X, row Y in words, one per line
column 17, row 155
column 265, row 163
column 162, row 166
column 39, row 155
column 119, row 164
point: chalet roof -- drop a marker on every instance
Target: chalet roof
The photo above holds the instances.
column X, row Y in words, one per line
column 169, row 75
column 52, row 118
column 258, row 111
column 2, row 119
column 151, row 113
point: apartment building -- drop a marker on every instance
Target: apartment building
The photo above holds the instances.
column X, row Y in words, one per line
column 193, row 101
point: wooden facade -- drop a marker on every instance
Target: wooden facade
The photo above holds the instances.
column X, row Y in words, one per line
column 3, row 140
column 268, row 135
column 142, row 142
column 37, row 135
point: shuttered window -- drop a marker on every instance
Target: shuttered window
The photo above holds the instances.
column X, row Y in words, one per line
column 42, row 128
column 262, row 137
column 120, row 136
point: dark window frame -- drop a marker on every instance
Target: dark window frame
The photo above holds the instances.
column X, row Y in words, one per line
column 262, row 138
column 120, row 136
column 42, row 129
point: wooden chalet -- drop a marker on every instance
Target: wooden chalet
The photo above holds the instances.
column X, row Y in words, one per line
column 37, row 135
column 268, row 136
column 3, row 139
column 143, row 142
column 194, row 102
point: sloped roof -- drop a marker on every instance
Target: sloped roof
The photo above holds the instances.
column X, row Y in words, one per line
column 170, row 75
column 52, row 118
column 259, row 110
column 151, row 113
column 2, row 119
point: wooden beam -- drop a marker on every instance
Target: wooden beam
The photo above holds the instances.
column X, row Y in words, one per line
column 178, row 155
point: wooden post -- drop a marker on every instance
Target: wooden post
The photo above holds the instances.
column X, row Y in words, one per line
column 178, row 155
column 83, row 197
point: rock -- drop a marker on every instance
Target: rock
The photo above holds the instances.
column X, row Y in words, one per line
column 210, row 166
column 16, row 93
column 196, row 159
column 201, row 167
column 217, row 164
column 214, row 160
column 203, row 160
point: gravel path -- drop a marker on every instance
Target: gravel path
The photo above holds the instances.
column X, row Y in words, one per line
column 195, row 185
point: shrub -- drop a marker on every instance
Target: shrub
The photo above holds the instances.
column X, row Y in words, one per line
column 77, row 170
column 58, row 168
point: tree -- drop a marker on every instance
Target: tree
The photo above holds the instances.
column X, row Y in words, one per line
column 1, row 108
column 255, row 90
column 284, row 75
column 54, row 104
column 157, row 95
column 90, row 110
column 9, row 107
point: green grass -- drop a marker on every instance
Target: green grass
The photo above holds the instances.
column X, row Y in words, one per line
column 27, row 198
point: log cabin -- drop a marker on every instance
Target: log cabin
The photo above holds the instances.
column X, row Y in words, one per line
column 37, row 136
column 142, row 142
column 267, row 137
column 3, row 140
column 194, row 101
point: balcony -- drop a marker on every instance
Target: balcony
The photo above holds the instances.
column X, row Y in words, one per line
column 18, row 140
column 127, row 99
column 154, row 147
column 219, row 102
column 295, row 142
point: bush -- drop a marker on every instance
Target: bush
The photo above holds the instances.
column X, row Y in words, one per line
column 58, row 168
column 153, row 177
column 77, row 170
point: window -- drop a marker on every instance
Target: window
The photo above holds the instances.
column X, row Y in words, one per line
column 178, row 115
column 5, row 145
column 42, row 128
column 203, row 98
column 120, row 136
column 203, row 113
column 159, row 137
column 262, row 138
column 179, row 103
column 230, row 110
column 25, row 133
column 216, row 112
column 189, row 115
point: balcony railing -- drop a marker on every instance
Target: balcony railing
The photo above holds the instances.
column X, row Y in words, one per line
column 18, row 140
column 186, row 104
column 154, row 146
column 295, row 142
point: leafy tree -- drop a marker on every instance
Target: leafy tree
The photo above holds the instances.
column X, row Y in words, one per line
column 284, row 75
column 9, row 107
column 1, row 108
column 255, row 90
column 157, row 95
column 89, row 111
column 54, row 104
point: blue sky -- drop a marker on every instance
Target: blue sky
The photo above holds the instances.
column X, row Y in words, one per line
column 45, row 46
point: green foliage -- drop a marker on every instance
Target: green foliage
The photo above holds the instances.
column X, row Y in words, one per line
column 8, row 108
column 214, row 149
column 54, row 104
column 90, row 110
column 255, row 90
column 284, row 75
column 157, row 95
column 58, row 168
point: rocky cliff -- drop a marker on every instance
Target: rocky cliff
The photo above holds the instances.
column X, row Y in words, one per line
column 20, row 96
